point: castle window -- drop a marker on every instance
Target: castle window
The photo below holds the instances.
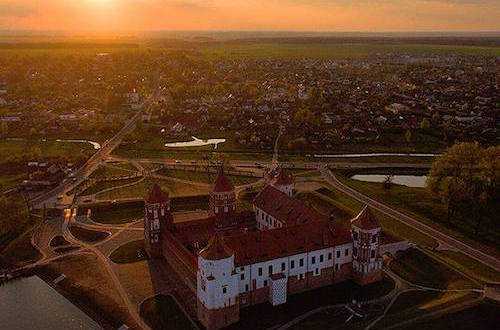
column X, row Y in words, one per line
column 282, row 266
column 216, row 209
column 316, row 271
column 292, row 264
column 313, row 260
column 260, row 271
column 329, row 256
column 338, row 254
column 246, row 287
column 336, row 266
column 242, row 268
column 355, row 235
column 162, row 211
column 373, row 253
column 224, row 290
column 301, row 262
column 270, row 269
column 321, row 258
column 374, row 238
column 242, row 276
column 265, row 282
column 355, row 251
column 346, row 252
column 225, row 209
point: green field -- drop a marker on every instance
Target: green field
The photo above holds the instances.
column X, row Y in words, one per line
column 115, row 213
column 141, row 189
column 102, row 185
column 86, row 235
column 11, row 180
column 205, row 177
column 129, row 252
column 337, row 51
column 28, row 149
column 106, row 172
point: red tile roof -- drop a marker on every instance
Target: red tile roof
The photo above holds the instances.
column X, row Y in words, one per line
column 222, row 183
column 283, row 178
column 257, row 246
column 366, row 219
column 216, row 248
column 157, row 195
column 288, row 210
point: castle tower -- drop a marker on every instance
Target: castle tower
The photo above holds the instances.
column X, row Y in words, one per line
column 223, row 201
column 367, row 263
column 156, row 215
column 283, row 182
column 217, row 285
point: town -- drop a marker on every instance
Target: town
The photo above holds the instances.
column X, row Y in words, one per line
column 163, row 184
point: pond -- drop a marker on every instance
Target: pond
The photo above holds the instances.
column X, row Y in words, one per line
column 30, row 303
column 195, row 143
column 415, row 181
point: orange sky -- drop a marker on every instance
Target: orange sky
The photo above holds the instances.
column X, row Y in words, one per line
column 122, row 16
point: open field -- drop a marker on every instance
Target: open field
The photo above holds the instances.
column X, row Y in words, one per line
column 418, row 268
column 162, row 312
column 26, row 149
column 129, row 252
column 348, row 205
column 102, row 185
column 106, row 172
column 418, row 203
column 115, row 213
column 483, row 316
column 89, row 287
column 9, row 181
column 142, row 188
column 337, row 51
column 58, row 241
column 86, row 235
column 204, row 177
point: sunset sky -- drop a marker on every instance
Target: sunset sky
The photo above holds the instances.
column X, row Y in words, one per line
column 124, row 16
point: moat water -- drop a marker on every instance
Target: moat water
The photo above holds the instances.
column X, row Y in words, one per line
column 415, row 181
column 30, row 303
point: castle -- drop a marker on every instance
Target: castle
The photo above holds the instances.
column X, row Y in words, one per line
column 236, row 259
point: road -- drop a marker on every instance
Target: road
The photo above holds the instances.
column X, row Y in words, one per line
column 413, row 223
column 83, row 172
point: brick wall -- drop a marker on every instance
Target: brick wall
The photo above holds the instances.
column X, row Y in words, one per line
column 218, row 318
column 367, row 278
column 344, row 273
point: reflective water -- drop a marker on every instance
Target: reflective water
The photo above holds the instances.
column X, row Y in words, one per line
column 30, row 303
column 416, row 181
column 195, row 143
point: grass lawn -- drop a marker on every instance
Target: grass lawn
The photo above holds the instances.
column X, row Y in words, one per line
column 102, row 185
column 264, row 316
column 115, row 213
column 416, row 303
column 418, row 268
column 205, row 177
column 418, row 203
column 162, row 312
column 71, row 152
column 129, row 252
column 141, row 189
column 468, row 265
column 106, row 172
column 348, row 205
column 57, row 241
column 87, row 235
column 20, row 252
column 483, row 316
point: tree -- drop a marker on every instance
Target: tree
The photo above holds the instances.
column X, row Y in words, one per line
column 425, row 124
column 408, row 136
column 465, row 178
column 387, row 184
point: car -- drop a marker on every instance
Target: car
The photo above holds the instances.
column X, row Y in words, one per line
column 178, row 161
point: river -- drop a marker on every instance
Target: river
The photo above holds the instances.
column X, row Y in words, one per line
column 30, row 303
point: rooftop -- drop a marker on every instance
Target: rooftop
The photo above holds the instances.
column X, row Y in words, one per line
column 222, row 183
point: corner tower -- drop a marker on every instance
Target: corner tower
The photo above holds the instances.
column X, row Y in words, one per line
column 367, row 263
column 156, row 215
column 223, row 201
column 217, row 285
column 283, row 182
